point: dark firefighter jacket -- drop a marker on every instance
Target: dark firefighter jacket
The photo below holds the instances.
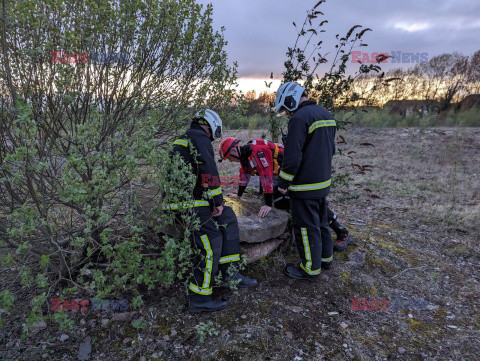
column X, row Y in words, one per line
column 207, row 190
column 309, row 147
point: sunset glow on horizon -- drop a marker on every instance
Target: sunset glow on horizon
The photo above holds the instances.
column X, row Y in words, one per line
column 246, row 84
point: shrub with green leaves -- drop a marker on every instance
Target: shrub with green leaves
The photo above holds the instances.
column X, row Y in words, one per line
column 83, row 143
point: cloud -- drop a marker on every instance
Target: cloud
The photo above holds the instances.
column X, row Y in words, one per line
column 259, row 32
column 411, row 27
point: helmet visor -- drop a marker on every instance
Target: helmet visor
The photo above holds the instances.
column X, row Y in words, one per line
column 218, row 132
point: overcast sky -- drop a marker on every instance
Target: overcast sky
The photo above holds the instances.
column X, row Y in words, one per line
column 259, row 31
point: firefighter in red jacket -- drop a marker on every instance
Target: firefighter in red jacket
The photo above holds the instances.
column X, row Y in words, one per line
column 258, row 157
column 265, row 158
column 218, row 235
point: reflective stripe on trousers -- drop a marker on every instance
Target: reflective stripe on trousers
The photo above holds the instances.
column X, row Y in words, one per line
column 207, row 275
column 308, row 254
column 229, row 259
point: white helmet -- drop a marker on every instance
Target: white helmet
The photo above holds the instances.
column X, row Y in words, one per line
column 288, row 96
column 213, row 120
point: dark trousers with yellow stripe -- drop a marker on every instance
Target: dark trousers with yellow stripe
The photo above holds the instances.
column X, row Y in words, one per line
column 218, row 241
column 312, row 234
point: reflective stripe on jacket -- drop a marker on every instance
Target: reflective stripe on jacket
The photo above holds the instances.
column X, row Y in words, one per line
column 309, row 147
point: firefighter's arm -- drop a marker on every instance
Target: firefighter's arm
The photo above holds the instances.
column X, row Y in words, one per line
column 292, row 156
column 243, row 180
column 208, row 171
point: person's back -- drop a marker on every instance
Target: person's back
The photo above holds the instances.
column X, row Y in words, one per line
column 311, row 138
column 306, row 174
column 276, row 150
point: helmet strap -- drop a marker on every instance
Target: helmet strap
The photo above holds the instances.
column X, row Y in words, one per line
column 226, row 155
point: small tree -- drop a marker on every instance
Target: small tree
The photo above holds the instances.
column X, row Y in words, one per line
column 473, row 79
column 444, row 76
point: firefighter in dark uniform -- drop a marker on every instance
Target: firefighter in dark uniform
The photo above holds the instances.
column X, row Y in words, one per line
column 218, row 236
column 306, row 173
column 265, row 158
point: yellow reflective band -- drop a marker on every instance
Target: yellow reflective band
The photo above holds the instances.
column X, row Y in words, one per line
column 199, row 290
column 329, row 259
column 207, row 276
column 181, row 142
column 228, row 259
column 310, row 272
column 175, row 206
column 306, row 246
column 310, row 187
column 322, row 123
column 286, row 176
column 308, row 255
column 215, row 192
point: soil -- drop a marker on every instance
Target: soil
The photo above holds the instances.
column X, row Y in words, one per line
column 414, row 220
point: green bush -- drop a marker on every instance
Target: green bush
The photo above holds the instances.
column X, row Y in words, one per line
column 82, row 144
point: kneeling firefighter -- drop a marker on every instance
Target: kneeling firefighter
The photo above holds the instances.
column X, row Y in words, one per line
column 265, row 158
column 218, row 236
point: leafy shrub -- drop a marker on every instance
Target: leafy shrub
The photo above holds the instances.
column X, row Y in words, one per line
column 81, row 145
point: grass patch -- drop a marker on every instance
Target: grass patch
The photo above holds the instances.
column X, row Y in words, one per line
column 380, row 118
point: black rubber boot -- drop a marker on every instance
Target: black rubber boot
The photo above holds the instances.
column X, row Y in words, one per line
column 197, row 305
column 242, row 281
column 327, row 265
column 299, row 274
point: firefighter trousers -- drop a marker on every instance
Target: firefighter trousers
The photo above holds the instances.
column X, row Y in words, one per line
column 218, row 241
column 281, row 201
column 331, row 216
column 312, row 234
column 333, row 222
